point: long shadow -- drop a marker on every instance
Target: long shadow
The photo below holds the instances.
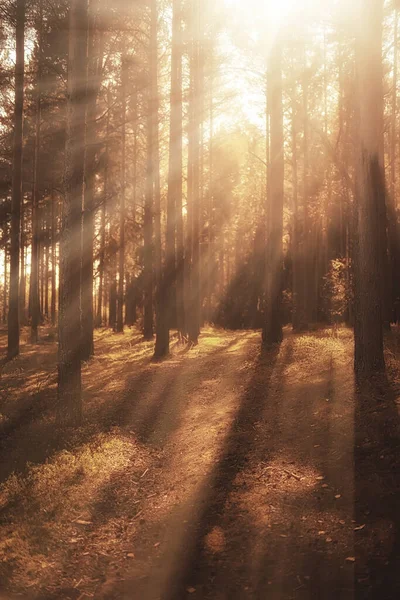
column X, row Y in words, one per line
column 377, row 492
column 191, row 565
column 30, row 435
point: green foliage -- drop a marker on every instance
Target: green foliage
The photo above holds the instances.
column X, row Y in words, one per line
column 337, row 290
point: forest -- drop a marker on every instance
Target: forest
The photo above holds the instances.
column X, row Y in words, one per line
column 199, row 299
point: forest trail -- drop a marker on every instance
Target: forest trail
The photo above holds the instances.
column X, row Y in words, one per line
column 263, row 479
column 220, row 473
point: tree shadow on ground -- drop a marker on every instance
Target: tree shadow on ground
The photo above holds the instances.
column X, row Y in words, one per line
column 217, row 547
column 377, row 491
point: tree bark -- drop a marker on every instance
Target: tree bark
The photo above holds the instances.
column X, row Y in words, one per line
column 121, row 253
column 170, row 296
column 16, row 200
column 272, row 330
column 370, row 195
column 193, row 320
column 92, row 87
column 69, row 408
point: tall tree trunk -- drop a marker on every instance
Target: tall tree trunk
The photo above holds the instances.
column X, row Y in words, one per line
column 92, row 86
column 210, row 249
column 69, row 406
column 46, row 264
column 295, row 230
column 167, row 303
column 149, row 199
column 194, row 165
column 306, row 246
column 13, row 310
column 53, row 257
column 5, row 288
column 160, row 299
column 272, row 330
column 121, row 253
column 99, row 318
column 370, row 195
column 22, row 285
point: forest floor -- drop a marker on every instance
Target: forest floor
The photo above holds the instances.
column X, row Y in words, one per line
column 221, row 473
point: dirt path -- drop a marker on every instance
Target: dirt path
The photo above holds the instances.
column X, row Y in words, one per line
column 219, row 474
column 261, row 470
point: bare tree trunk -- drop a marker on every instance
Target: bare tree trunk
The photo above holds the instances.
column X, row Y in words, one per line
column 69, row 406
column 272, row 330
column 296, row 317
column 210, row 249
column 92, row 86
column 194, row 140
column 370, row 195
column 5, row 289
column 102, row 286
column 13, row 310
column 53, row 257
column 46, row 264
column 121, row 253
column 170, row 280
column 22, row 285
column 306, row 247
column 148, row 216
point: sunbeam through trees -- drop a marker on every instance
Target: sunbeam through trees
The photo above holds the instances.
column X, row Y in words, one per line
column 199, row 299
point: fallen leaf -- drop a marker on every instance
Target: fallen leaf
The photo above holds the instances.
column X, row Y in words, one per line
column 359, row 527
column 130, row 555
column 320, row 478
column 156, row 544
column 351, row 559
column 321, row 532
column 82, row 522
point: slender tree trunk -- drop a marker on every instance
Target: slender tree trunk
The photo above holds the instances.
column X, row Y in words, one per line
column 370, row 195
column 53, row 257
column 272, row 330
column 306, row 247
column 69, row 408
column 92, row 85
column 102, row 286
column 162, row 332
column 149, row 203
column 194, row 140
column 121, row 253
column 393, row 140
column 41, row 264
column 392, row 198
column 46, row 265
column 295, row 232
column 210, row 249
column 167, row 302
column 22, row 286
column 16, row 201
column 5, row 288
